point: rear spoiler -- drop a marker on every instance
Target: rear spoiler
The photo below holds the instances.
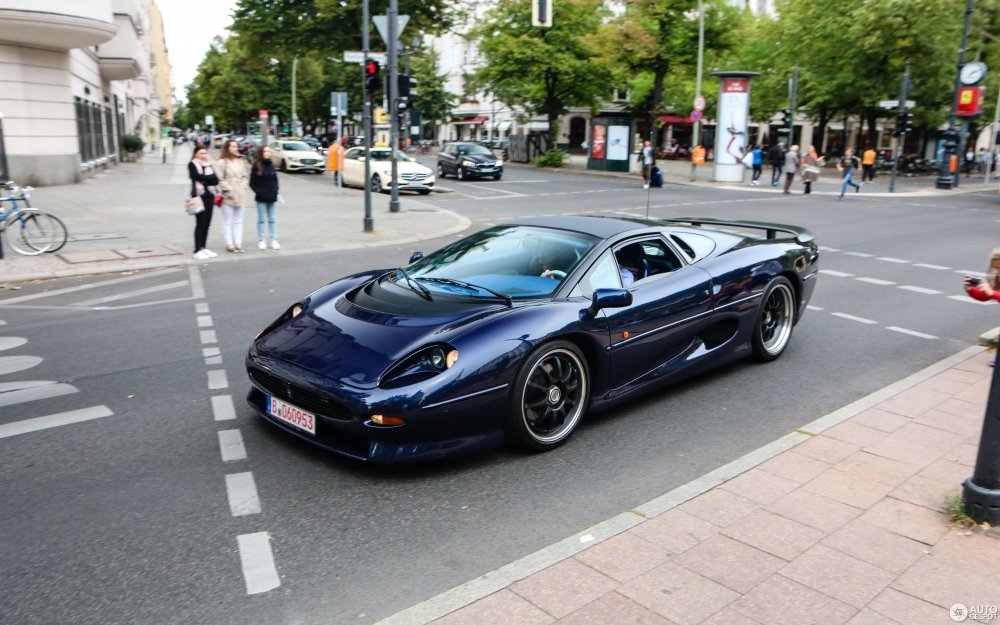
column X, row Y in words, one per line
column 801, row 235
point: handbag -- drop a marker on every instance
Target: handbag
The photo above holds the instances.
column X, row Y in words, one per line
column 218, row 200
column 812, row 169
column 748, row 159
column 193, row 205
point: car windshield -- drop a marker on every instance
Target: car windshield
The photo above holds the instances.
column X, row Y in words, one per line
column 474, row 149
column 295, row 146
column 386, row 155
column 516, row 261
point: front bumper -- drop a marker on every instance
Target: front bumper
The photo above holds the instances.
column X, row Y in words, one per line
column 484, row 171
column 302, row 166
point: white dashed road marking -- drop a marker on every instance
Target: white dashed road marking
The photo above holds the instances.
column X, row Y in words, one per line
column 222, row 408
column 217, row 379
column 876, row 281
column 208, row 336
column 231, row 446
column 859, row 254
column 853, row 318
column 242, row 493
column 935, row 267
column 836, row 274
column 889, row 259
column 920, row 289
column 257, row 562
column 204, row 321
column 912, row 332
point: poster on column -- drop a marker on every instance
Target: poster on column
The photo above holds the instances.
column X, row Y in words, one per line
column 618, row 143
column 600, row 141
column 730, row 138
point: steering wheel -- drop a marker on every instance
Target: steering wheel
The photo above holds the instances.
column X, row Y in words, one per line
column 555, row 274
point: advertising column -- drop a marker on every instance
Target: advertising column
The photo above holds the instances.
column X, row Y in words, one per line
column 731, row 125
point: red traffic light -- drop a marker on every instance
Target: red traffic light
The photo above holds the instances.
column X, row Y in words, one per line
column 371, row 68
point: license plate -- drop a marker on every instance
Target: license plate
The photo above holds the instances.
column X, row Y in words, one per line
column 296, row 417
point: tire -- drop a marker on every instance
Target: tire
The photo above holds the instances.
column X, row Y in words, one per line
column 30, row 232
column 59, row 233
column 283, row 166
column 548, row 398
column 775, row 319
column 441, row 173
column 498, row 177
column 376, row 185
column 424, row 191
column 460, row 173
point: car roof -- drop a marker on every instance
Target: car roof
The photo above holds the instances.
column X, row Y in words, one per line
column 603, row 227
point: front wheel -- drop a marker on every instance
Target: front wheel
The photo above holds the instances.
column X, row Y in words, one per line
column 498, row 177
column 775, row 318
column 30, row 232
column 376, row 185
column 548, row 398
column 441, row 173
column 460, row 173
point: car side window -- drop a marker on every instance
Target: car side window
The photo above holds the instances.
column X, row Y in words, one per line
column 602, row 275
column 641, row 260
column 352, row 153
column 695, row 246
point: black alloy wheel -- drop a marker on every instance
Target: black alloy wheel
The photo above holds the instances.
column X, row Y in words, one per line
column 549, row 397
column 441, row 173
column 775, row 319
column 460, row 173
column 376, row 186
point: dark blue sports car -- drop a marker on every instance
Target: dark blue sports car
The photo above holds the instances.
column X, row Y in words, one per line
column 516, row 332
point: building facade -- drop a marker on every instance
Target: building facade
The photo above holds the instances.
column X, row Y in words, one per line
column 74, row 78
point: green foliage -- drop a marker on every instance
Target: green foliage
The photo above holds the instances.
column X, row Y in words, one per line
column 431, row 98
column 541, row 70
column 553, row 158
column 132, row 143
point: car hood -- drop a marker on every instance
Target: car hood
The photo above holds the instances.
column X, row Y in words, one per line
column 403, row 167
column 479, row 158
column 356, row 345
column 299, row 154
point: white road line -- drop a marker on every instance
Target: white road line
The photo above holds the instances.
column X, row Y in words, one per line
column 257, row 561
column 912, row 333
column 217, row 379
column 957, row 298
column 920, row 289
column 201, row 308
column 130, row 294
column 853, row 318
column 889, row 259
column 210, row 351
column 242, row 494
column 197, row 286
column 213, row 360
column 54, row 420
column 875, row 281
column 811, row 307
column 231, row 446
column 13, row 364
column 828, row 249
column 222, row 408
column 35, row 391
column 859, row 254
column 836, row 274
column 928, row 266
column 970, row 272
column 84, row 287
column 10, row 342
column 204, row 321
column 208, row 336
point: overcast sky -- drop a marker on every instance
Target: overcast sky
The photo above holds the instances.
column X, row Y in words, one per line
column 189, row 26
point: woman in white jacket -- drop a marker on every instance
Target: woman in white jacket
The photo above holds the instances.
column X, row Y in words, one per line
column 233, row 173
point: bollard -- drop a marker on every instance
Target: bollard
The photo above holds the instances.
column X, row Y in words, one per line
column 981, row 492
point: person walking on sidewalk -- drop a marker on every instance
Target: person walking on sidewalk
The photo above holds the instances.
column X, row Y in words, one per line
column 233, row 177
column 868, row 165
column 203, row 185
column 791, row 166
column 648, row 159
column 776, row 156
column 848, row 164
column 264, row 182
column 757, row 164
column 811, row 164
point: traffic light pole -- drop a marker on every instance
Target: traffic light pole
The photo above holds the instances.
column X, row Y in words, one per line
column 900, row 133
column 946, row 179
column 393, row 95
column 367, row 117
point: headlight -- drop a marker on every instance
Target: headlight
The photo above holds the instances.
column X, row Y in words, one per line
column 467, row 164
column 294, row 311
column 423, row 364
column 499, row 162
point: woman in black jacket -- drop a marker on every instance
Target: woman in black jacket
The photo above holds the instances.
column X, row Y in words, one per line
column 264, row 182
column 203, row 182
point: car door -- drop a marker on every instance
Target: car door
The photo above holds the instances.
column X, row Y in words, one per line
column 276, row 153
column 670, row 305
column 447, row 158
column 353, row 168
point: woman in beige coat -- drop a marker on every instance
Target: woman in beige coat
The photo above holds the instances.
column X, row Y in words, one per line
column 234, row 173
column 811, row 163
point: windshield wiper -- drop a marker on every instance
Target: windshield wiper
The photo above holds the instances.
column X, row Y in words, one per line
column 419, row 288
column 469, row 285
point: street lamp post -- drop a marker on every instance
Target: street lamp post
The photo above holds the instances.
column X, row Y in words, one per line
column 696, row 139
column 947, row 179
column 366, row 116
column 393, row 95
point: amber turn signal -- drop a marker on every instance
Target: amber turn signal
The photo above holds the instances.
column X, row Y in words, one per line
column 379, row 419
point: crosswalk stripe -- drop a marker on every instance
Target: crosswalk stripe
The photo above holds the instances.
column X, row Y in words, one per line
column 10, row 342
column 13, row 364
column 54, row 420
column 34, row 392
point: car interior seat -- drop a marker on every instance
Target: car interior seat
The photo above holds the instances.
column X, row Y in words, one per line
column 632, row 257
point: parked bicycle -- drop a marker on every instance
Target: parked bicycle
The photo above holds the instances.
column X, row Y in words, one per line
column 27, row 230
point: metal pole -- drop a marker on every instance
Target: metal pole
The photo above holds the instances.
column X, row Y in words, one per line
column 963, row 134
column 904, row 91
column 792, row 96
column 409, row 105
column 393, row 94
column 981, row 492
column 366, row 116
column 945, row 178
column 993, row 138
column 696, row 138
column 295, row 116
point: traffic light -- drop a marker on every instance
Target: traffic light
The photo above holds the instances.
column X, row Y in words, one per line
column 904, row 124
column 404, row 84
column 789, row 117
column 372, row 79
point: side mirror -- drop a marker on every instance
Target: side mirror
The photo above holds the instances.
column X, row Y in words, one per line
column 361, row 158
column 609, row 298
column 415, row 256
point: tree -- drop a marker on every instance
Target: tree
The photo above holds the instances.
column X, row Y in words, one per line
column 432, row 99
column 544, row 71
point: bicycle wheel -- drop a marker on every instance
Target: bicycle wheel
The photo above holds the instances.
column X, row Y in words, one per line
column 28, row 232
column 58, row 231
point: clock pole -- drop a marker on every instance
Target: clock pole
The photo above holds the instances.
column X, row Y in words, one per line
column 947, row 178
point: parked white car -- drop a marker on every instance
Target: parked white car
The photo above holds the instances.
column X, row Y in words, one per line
column 412, row 175
column 296, row 156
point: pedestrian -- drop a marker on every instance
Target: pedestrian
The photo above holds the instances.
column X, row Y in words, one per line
column 203, row 185
column 970, row 160
column 848, row 164
column 648, row 158
column 264, row 182
column 986, row 289
column 776, row 156
column 811, row 164
column 233, row 177
column 868, row 165
column 758, row 165
column 791, row 166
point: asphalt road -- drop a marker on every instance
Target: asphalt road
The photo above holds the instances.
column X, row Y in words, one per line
column 125, row 516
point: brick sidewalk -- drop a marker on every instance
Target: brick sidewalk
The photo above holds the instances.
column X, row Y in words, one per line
column 844, row 524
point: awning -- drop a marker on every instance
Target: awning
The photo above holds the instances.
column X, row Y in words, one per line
column 675, row 119
column 471, row 120
column 504, row 125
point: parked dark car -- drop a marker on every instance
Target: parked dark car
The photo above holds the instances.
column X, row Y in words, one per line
column 516, row 332
column 468, row 160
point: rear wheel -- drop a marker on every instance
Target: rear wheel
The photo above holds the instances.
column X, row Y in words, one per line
column 548, row 398
column 460, row 173
column 441, row 173
column 30, row 232
column 284, row 167
column 775, row 318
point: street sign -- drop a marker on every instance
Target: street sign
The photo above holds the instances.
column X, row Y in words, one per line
column 541, row 13
column 338, row 103
column 696, row 115
column 382, row 24
column 357, row 56
column 970, row 101
column 699, row 104
column 209, row 120
column 892, row 104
